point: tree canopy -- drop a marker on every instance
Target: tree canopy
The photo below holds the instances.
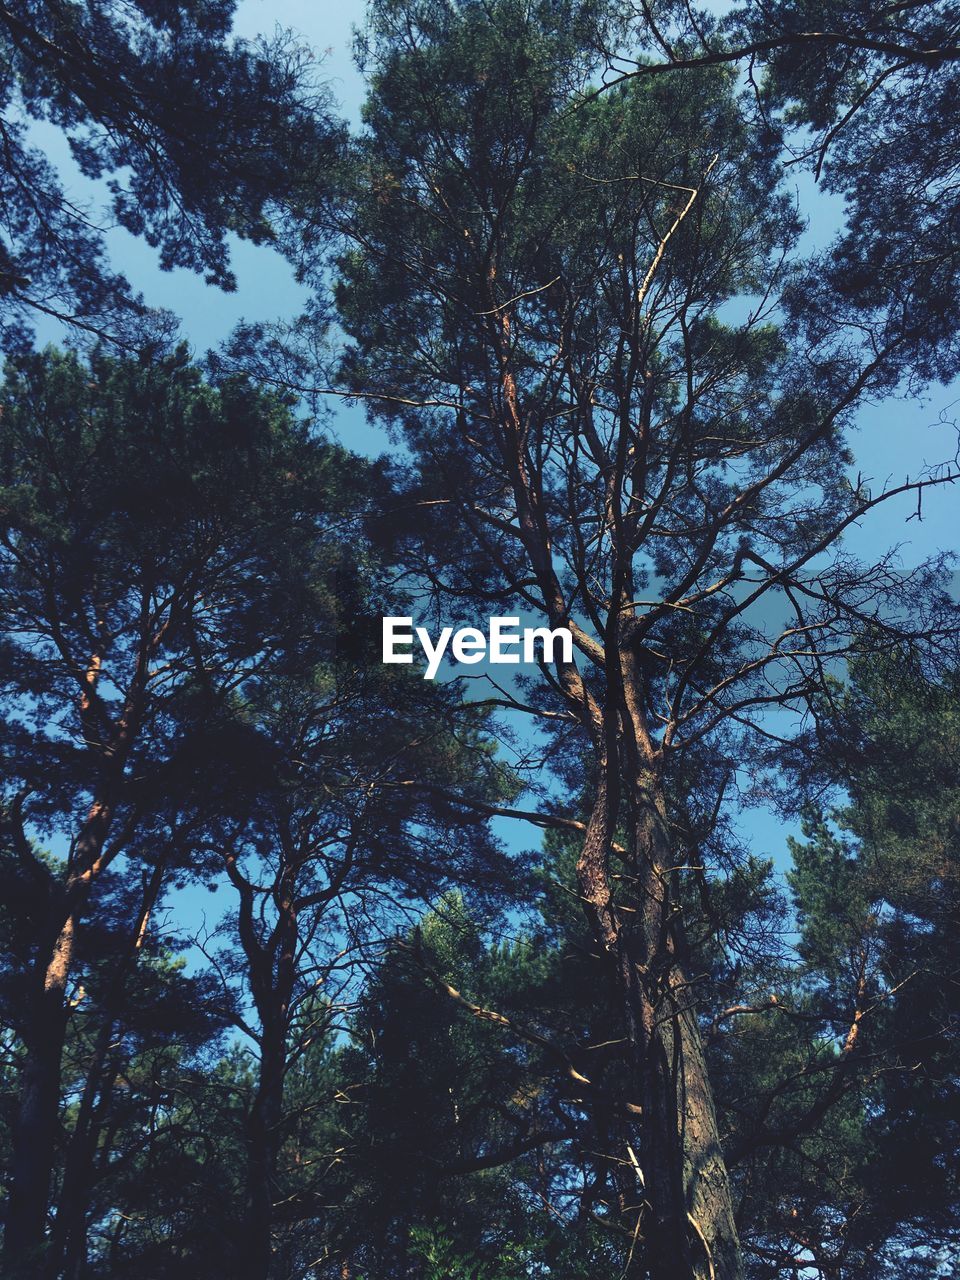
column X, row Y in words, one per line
column 196, row 136
column 315, row 967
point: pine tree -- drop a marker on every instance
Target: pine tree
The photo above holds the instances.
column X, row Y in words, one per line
column 161, row 543
column 539, row 291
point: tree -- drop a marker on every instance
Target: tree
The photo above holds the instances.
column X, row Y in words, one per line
column 833, row 1057
column 161, row 543
column 459, row 1144
column 327, row 831
column 542, row 299
column 862, row 95
column 876, row 886
column 199, row 137
column 623, row 399
column 137, row 1045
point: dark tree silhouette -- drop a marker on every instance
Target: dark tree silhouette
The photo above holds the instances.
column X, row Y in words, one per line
column 198, row 135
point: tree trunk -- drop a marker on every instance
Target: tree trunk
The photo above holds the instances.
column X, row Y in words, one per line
column 709, row 1197
column 263, row 1139
column 35, row 1130
column 691, row 1201
column 665, row 1232
column 70, row 1230
column 689, row 1232
column 272, row 978
column 69, row 1251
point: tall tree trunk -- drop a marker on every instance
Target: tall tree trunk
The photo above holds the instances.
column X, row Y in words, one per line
column 707, row 1183
column 68, row 1255
column 689, row 1232
column 264, row 1123
column 272, row 978
column 35, row 1130
column 684, row 1169
column 691, row 1198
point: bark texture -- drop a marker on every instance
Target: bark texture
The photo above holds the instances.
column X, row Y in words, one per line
column 688, row 1230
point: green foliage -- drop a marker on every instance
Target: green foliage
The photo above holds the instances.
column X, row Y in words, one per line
column 184, row 634
column 442, row 1260
column 858, row 1060
column 871, row 109
column 401, row 1054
